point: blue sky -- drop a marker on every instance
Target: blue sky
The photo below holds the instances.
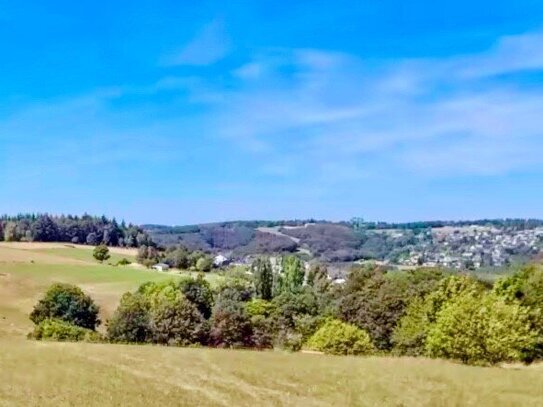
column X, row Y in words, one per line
column 180, row 112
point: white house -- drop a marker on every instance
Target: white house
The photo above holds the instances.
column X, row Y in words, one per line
column 220, row 260
column 161, row 267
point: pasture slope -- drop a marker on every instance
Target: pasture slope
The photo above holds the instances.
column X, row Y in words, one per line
column 69, row 374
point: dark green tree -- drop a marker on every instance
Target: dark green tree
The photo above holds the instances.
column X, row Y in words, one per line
column 293, row 272
column 130, row 322
column 198, row 291
column 68, row 303
column 263, row 274
column 45, row 230
column 101, row 253
column 374, row 302
column 177, row 322
column 230, row 325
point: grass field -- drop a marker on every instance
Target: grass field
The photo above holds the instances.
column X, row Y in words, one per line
column 65, row 374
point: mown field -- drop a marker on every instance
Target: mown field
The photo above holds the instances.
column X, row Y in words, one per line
column 43, row 374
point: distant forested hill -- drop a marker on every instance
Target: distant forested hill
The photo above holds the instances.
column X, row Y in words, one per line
column 349, row 241
column 328, row 241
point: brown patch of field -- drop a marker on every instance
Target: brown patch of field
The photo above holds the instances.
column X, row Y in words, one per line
column 33, row 245
column 19, row 254
column 53, row 245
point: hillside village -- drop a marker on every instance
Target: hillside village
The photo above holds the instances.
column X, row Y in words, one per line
column 461, row 245
column 471, row 247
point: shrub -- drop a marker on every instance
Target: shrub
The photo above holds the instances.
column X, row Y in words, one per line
column 289, row 306
column 68, row 303
column 259, row 307
column 101, row 252
column 230, row 325
column 307, row 325
column 177, row 322
column 204, row 264
column 237, row 287
column 123, row 262
column 339, row 338
column 289, row 340
column 198, row 291
column 155, row 292
column 58, row 330
column 262, row 337
column 481, row 330
column 130, row 322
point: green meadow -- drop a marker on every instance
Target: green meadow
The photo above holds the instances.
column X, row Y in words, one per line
column 67, row 374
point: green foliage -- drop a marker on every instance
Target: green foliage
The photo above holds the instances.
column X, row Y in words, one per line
column 87, row 229
column 373, row 302
column 148, row 255
column 525, row 286
column 130, row 322
column 101, row 252
column 11, row 232
column 238, row 286
column 168, row 312
column 177, row 322
column 179, row 258
column 320, row 284
column 289, row 340
column 68, row 303
column 451, row 288
column 198, row 291
column 262, row 335
column 339, row 338
column 263, row 274
column 317, row 277
column 409, row 336
column 289, row 306
column 204, row 264
column 155, row 292
column 45, row 230
column 230, row 325
column 292, row 276
column 58, row 330
column 307, row 325
column 481, row 330
column 291, row 316
column 260, row 307
column 123, row 262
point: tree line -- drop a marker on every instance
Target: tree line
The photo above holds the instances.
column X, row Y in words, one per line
column 281, row 304
column 86, row 229
column 508, row 223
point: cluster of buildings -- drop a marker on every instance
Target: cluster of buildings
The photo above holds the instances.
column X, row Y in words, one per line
column 472, row 247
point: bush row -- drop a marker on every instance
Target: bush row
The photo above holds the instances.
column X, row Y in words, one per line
column 423, row 312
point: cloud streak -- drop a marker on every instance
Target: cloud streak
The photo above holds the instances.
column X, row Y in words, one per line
column 433, row 117
column 211, row 44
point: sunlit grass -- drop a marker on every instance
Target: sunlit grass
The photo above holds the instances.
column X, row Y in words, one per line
column 71, row 374
column 86, row 254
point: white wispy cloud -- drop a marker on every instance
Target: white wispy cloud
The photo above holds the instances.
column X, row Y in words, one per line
column 335, row 116
column 435, row 117
column 210, row 45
